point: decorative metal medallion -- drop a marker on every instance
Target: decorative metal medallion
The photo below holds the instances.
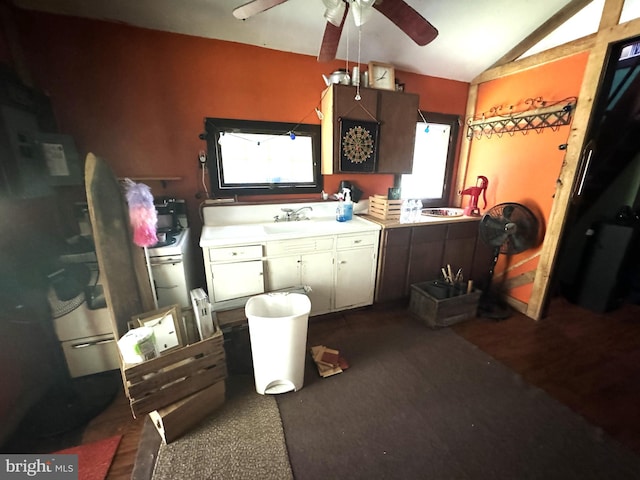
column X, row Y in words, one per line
column 358, row 145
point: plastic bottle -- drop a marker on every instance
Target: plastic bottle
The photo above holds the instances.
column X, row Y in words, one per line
column 405, row 211
column 416, row 210
column 340, row 216
column 411, row 211
column 348, row 204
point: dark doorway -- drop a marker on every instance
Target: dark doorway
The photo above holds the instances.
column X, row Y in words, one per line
column 598, row 268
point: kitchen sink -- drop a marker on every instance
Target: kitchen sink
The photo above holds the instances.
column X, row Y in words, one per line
column 291, row 227
column 443, row 212
column 315, row 226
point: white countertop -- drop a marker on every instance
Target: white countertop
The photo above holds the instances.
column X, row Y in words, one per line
column 238, row 224
column 223, row 235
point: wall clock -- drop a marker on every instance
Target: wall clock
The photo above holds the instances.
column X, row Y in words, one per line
column 358, row 145
column 382, row 75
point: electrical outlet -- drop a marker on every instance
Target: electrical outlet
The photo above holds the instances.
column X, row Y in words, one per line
column 202, row 159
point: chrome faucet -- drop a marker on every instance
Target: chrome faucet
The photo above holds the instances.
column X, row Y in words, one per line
column 294, row 215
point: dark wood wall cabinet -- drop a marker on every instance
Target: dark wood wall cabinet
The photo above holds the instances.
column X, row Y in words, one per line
column 416, row 253
column 396, row 113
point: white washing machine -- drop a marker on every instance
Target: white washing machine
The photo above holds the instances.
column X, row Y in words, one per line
column 85, row 334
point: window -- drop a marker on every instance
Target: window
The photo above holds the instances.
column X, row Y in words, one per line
column 252, row 158
column 433, row 159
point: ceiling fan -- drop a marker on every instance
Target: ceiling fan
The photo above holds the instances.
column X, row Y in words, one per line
column 398, row 11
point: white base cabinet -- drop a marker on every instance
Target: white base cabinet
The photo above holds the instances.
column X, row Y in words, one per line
column 305, row 261
column 340, row 270
column 234, row 272
column 314, row 270
column 239, row 279
column 355, row 270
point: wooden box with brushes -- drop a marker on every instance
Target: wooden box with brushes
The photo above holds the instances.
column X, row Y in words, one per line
column 442, row 304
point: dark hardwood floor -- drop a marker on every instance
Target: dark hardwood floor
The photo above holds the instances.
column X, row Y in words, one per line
column 589, row 362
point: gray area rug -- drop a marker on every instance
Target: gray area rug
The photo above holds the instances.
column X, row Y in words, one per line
column 243, row 440
column 426, row 404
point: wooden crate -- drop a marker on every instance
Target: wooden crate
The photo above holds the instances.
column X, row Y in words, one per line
column 440, row 305
column 161, row 381
column 383, row 208
column 178, row 418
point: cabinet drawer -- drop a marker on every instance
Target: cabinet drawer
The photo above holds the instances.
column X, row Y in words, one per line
column 239, row 253
column 299, row 245
column 86, row 356
column 83, row 322
column 359, row 240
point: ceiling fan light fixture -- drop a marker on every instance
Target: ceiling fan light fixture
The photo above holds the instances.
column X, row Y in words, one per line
column 334, row 11
column 361, row 11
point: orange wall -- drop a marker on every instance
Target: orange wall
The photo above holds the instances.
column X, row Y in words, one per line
column 524, row 168
column 137, row 97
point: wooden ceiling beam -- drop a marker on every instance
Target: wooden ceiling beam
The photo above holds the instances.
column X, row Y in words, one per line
column 556, row 53
column 540, row 33
column 611, row 14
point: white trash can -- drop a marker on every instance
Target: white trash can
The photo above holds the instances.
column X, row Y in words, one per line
column 278, row 333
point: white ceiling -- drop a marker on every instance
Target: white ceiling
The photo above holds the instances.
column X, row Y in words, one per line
column 473, row 34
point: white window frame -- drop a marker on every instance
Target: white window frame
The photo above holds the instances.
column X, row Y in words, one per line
column 443, row 163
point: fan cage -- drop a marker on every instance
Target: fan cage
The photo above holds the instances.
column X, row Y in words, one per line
column 510, row 227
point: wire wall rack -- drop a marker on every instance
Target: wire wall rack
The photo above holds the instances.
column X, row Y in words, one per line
column 538, row 117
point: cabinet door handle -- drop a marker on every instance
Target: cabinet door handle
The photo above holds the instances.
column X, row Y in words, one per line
column 342, row 262
column 357, row 241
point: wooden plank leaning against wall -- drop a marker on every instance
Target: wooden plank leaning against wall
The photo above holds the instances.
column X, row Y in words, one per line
column 609, row 31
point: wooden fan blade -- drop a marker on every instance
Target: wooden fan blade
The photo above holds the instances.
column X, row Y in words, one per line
column 408, row 20
column 253, row 8
column 331, row 39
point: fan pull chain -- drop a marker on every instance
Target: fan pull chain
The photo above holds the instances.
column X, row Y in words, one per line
column 357, row 81
column 357, row 98
column 346, row 24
